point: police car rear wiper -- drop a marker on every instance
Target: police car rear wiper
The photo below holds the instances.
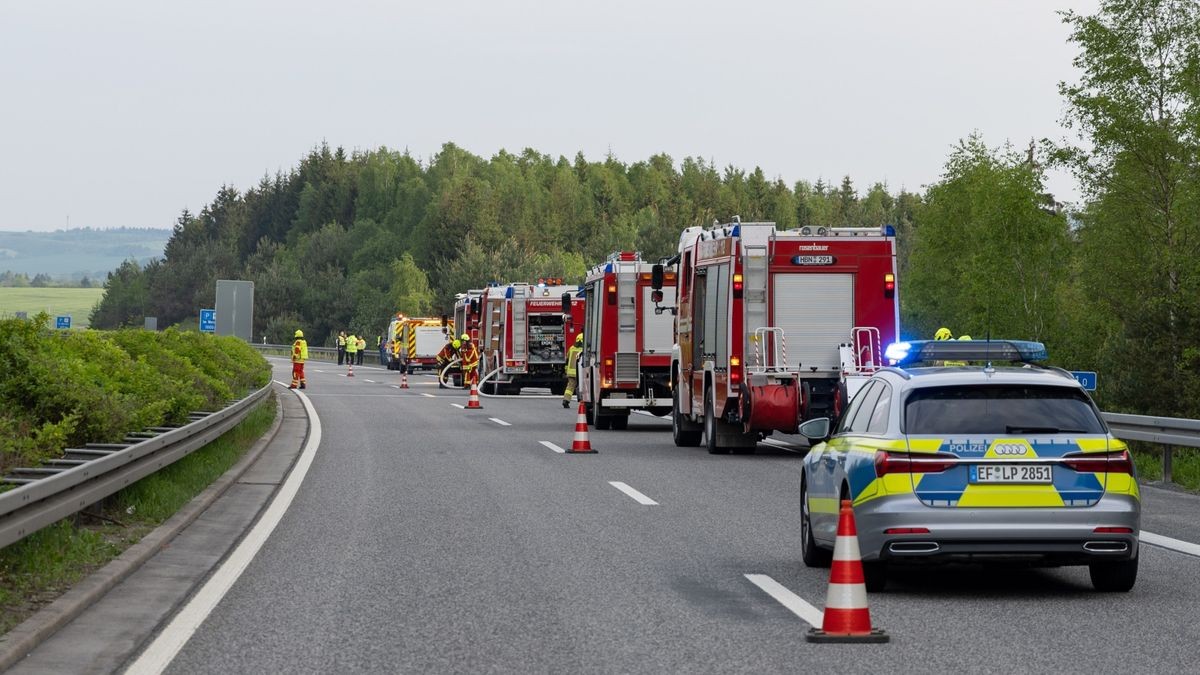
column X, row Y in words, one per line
column 1041, row 430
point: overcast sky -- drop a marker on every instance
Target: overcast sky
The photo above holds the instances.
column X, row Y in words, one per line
column 123, row 113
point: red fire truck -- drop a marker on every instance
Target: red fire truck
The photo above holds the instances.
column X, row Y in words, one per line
column 628, row 336
column 776, row 327
column 524, row 335
column 467, row 312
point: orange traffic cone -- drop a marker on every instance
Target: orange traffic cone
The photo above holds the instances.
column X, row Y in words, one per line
column 473, row 401
column 847, row 618
column 581, row 445
column 351, row 373
column 404, row 379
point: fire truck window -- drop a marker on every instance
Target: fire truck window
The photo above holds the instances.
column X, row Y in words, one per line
column 591, row 332
column 685, row 273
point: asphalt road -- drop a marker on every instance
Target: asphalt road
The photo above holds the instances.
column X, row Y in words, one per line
column 427, row 538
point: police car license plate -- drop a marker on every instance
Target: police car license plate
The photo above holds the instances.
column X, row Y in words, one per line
column 1012, row 473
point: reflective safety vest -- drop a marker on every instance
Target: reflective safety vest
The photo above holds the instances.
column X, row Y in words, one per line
column 469, row 354
column 341, row 340
column 299, row 351
column 362, row 344
column 573, row 359
column 447, row 354
column 351, row 345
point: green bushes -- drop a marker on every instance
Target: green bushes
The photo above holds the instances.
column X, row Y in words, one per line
column 68, row 388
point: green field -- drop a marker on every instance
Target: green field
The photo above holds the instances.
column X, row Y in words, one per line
column 75, row 302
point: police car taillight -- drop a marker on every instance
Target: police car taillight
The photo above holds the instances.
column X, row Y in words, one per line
column 903, row 462
column 1105, row 462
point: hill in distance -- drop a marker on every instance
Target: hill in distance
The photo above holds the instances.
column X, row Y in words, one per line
column 71, row 254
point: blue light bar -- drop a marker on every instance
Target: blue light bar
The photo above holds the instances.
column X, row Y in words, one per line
column 918, row 351
column 889, row 231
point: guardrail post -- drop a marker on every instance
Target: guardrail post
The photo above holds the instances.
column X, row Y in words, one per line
column 1166, row 464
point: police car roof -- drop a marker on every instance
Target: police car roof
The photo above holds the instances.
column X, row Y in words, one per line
column 940, row 376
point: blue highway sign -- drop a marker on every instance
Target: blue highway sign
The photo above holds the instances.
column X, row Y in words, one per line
column 1085, row 377
column 208, row 321
column 62, row 322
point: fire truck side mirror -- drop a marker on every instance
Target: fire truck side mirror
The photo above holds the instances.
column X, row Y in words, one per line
column 656, row 296
column 474, row 306
column 566, row 303
column 656, row 278
column 445, row 321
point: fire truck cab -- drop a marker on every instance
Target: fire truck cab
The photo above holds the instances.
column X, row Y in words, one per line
column 626, row 360
column 524, row 337
column 776, row 327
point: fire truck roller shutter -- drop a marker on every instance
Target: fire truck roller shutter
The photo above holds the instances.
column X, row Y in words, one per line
column 816, row 312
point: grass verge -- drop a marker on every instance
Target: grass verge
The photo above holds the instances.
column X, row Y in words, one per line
column 41, row 567
column 1185, row 464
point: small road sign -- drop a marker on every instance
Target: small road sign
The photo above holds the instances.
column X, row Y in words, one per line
column 208, row 321
column 1085, row 377
column 62, row 322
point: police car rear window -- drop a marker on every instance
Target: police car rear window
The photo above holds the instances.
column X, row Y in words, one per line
column 1000, row 410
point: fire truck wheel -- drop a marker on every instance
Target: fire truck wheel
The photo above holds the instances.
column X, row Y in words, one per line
column 603, row 421
column 684, row 438
column 558, row 388
column 710, row 430
column 620, row 422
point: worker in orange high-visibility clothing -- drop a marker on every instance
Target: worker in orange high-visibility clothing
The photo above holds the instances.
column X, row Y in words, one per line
column 448, row 353
column 469, row 354
column 299, row 356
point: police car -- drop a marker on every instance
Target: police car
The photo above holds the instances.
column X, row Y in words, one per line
column 974, row 463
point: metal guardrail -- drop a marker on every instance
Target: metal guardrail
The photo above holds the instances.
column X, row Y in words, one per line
column 314, row 353
column 1166, row 431
column 86, row 475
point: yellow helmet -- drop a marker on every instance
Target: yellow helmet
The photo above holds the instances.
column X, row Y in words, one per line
column 942, row 333
column 299, row 334
column 579, row 338
column 455, row 343
column 964, row 337
column 465, row 338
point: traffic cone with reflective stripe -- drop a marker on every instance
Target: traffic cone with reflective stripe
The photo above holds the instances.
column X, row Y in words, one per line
column 351, row 373
column 404, row 379
column 847, row 618
column 473, row 401
column 581, row 445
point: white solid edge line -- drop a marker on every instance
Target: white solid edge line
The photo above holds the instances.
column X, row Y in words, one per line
column 637, row 496
column 798, row 605
column 159, row 654
column 553, row 447
column 428, row 395
column 499, row 421
column 459, row 406
column 1172, row 544
column 371, row 381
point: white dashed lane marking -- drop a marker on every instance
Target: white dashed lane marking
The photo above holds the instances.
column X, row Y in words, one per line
column 798, row 605
column 637, row 496
column 552, row 446
column 499, row 421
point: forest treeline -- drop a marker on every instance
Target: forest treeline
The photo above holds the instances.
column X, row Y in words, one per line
column 344, row 240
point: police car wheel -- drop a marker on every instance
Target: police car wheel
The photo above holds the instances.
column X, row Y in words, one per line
column 1114, row 576
column 874, row 575
column 810, row 553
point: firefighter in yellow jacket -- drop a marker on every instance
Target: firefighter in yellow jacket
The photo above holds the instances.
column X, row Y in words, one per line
column 573, row 355
column 469, row 354
column 299, row 356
